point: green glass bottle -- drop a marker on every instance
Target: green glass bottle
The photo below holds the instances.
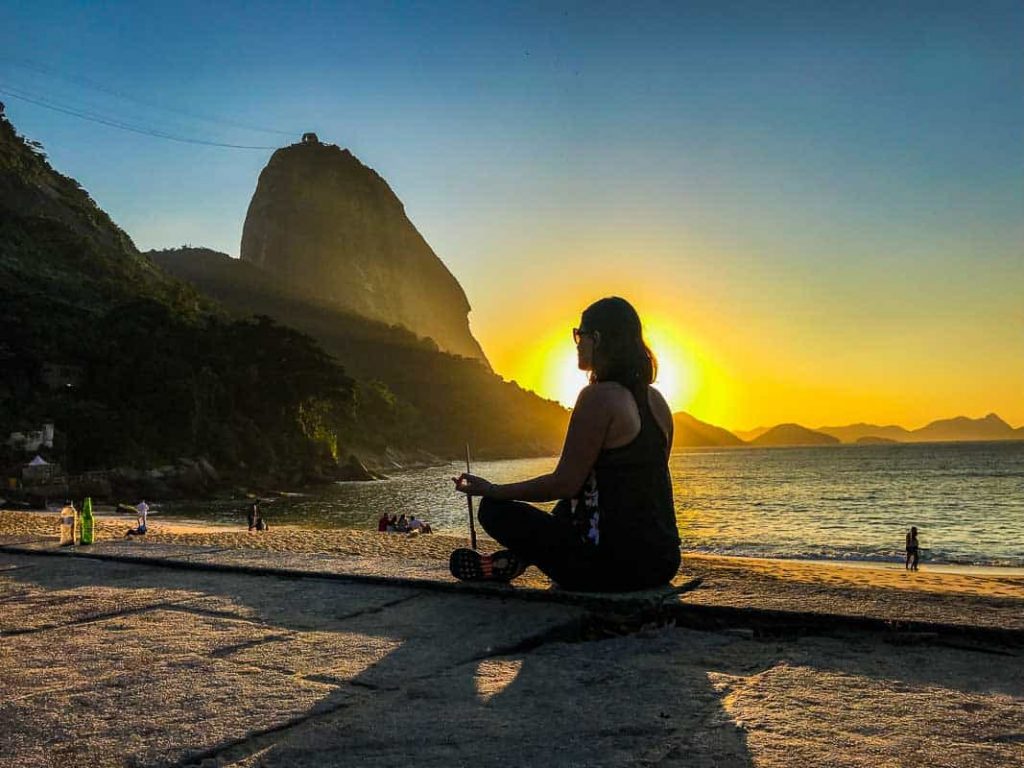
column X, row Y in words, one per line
column 87, row 521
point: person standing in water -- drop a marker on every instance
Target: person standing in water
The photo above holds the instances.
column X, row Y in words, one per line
column 913, row 549
column 615, row 527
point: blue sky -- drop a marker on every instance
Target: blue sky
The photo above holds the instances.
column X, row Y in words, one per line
column 829, row 175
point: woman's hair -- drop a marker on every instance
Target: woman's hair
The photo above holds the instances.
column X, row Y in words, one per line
column 622, row 354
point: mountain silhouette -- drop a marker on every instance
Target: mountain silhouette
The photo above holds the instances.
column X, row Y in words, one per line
column 691, row 432
column 324, row 224
column 133, row 366
column 960, row 428
column 793, row 434
column 748, row 435
column 991, row 427
column 439, row 401
column 852, row 433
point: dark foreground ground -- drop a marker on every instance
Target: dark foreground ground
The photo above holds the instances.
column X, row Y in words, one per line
column 130, row 664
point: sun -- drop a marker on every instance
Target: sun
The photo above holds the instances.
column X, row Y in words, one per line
column 677, row 368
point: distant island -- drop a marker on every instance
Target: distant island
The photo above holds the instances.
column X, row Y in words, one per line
column 958, row 429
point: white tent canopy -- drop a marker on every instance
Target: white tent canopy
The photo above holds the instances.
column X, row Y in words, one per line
column 38, row 461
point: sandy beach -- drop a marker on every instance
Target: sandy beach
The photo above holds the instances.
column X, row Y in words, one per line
column 985, row 597
column 180, row 666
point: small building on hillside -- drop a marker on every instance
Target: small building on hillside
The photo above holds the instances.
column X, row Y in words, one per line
column 310, row 138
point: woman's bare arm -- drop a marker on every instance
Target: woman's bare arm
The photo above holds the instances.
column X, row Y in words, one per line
column 588, row 426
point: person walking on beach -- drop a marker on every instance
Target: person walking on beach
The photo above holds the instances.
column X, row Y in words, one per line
column 913, row 549
column 614, row 528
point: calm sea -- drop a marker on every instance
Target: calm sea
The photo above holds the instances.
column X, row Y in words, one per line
column 835, row 502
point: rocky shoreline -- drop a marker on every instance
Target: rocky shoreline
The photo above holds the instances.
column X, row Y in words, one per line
column 197, row 479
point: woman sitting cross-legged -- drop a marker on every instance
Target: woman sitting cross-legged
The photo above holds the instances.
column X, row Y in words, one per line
column 614, row 528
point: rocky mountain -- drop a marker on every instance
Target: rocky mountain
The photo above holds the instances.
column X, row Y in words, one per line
column 793, row 434
column 691, row 432
column 424, row 397
column 132, row 366
column 323, row 223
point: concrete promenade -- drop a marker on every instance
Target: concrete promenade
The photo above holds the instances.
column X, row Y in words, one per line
column 107, row 662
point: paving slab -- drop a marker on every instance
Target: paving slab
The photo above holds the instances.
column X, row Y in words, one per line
column 103, row 700
column 249, row 670
column 675, row 698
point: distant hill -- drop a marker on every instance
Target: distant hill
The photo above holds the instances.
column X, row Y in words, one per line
column 962, row 428
column 440, row 400
column 793, row 434
column 944, row 430
column 853, row 433
column 748, row 435
column 872, row 440
column 323, row 223
column 691, row 432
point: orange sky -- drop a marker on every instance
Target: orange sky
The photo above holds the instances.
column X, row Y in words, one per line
column 741, row 347
column 817, row 208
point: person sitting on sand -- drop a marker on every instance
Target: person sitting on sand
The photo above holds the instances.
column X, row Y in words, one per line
column 393, row 524
column 382, row 524
column 418, row 526
column 402, row 526
column 615, row 527
column 913, row 549
column 143, row 512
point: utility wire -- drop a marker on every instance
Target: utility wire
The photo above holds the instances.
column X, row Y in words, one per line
column 96, row 118
column 47, row 71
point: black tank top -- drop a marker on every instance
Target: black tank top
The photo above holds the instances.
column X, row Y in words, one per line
column 625, row 507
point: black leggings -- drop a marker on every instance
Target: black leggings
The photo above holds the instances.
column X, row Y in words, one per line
column 554, row 545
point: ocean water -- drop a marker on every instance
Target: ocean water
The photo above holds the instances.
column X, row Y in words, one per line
column 846, row 502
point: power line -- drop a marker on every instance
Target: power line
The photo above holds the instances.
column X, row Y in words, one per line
column 49, row 72
column 114, row 123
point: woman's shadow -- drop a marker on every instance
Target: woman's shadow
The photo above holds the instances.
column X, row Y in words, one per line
column 402, row 674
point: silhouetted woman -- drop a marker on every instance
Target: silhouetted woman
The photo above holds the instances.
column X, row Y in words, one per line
column 614, row 528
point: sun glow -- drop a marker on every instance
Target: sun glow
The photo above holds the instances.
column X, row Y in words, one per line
column 553, row 371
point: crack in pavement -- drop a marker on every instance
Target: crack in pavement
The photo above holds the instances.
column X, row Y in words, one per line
column 227, row 650
column 378, row 608
column 255, row 741
column 94, row 618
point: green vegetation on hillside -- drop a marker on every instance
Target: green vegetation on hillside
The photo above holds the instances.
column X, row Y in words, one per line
column 137, row 368
column 409, row 394
column 134, row 367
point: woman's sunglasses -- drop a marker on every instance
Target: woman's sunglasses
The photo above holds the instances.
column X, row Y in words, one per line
column 578, row 334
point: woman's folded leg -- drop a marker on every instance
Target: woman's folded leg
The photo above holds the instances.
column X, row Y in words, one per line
column 552, row 544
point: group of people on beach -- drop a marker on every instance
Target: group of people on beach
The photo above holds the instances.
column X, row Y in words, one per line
column 399, row 524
